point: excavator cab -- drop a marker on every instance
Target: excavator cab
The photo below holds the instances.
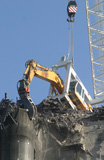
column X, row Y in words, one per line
column 23, row 89
column 77, row 94
column 75, row 86
column 74, row 91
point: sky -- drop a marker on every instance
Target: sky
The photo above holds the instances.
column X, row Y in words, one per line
column 31, row 29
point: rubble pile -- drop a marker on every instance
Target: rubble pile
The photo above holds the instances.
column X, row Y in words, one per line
column 56, row 113
column 8, row 110
column 56, row 132
column 73, row 134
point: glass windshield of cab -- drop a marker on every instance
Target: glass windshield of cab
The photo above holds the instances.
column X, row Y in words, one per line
column 72, row 86
column 78, row 89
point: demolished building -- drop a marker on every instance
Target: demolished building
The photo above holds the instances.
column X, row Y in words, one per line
column 54, row 129
column 55, row 132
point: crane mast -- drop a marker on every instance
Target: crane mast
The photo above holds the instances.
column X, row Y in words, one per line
column 95, row 21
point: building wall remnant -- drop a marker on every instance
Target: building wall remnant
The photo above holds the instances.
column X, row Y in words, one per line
column 59, row 133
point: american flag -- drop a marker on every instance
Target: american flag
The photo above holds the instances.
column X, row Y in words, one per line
column 72, row 9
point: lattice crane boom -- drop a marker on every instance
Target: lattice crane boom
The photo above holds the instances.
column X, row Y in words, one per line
column 95, row 21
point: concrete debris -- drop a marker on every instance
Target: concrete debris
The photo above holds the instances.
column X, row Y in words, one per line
column 7, row 112
column 59, row 132
column 77, row 134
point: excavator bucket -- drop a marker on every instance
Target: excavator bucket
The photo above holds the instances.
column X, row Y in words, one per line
column 23, row 89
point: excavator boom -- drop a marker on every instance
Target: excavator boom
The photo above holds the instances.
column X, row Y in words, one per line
column 47, row 74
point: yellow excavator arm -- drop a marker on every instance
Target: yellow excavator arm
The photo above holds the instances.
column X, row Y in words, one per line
column 47, row 74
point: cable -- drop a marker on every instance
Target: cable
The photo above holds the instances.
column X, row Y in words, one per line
column 69, row 50
column 72, row 48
